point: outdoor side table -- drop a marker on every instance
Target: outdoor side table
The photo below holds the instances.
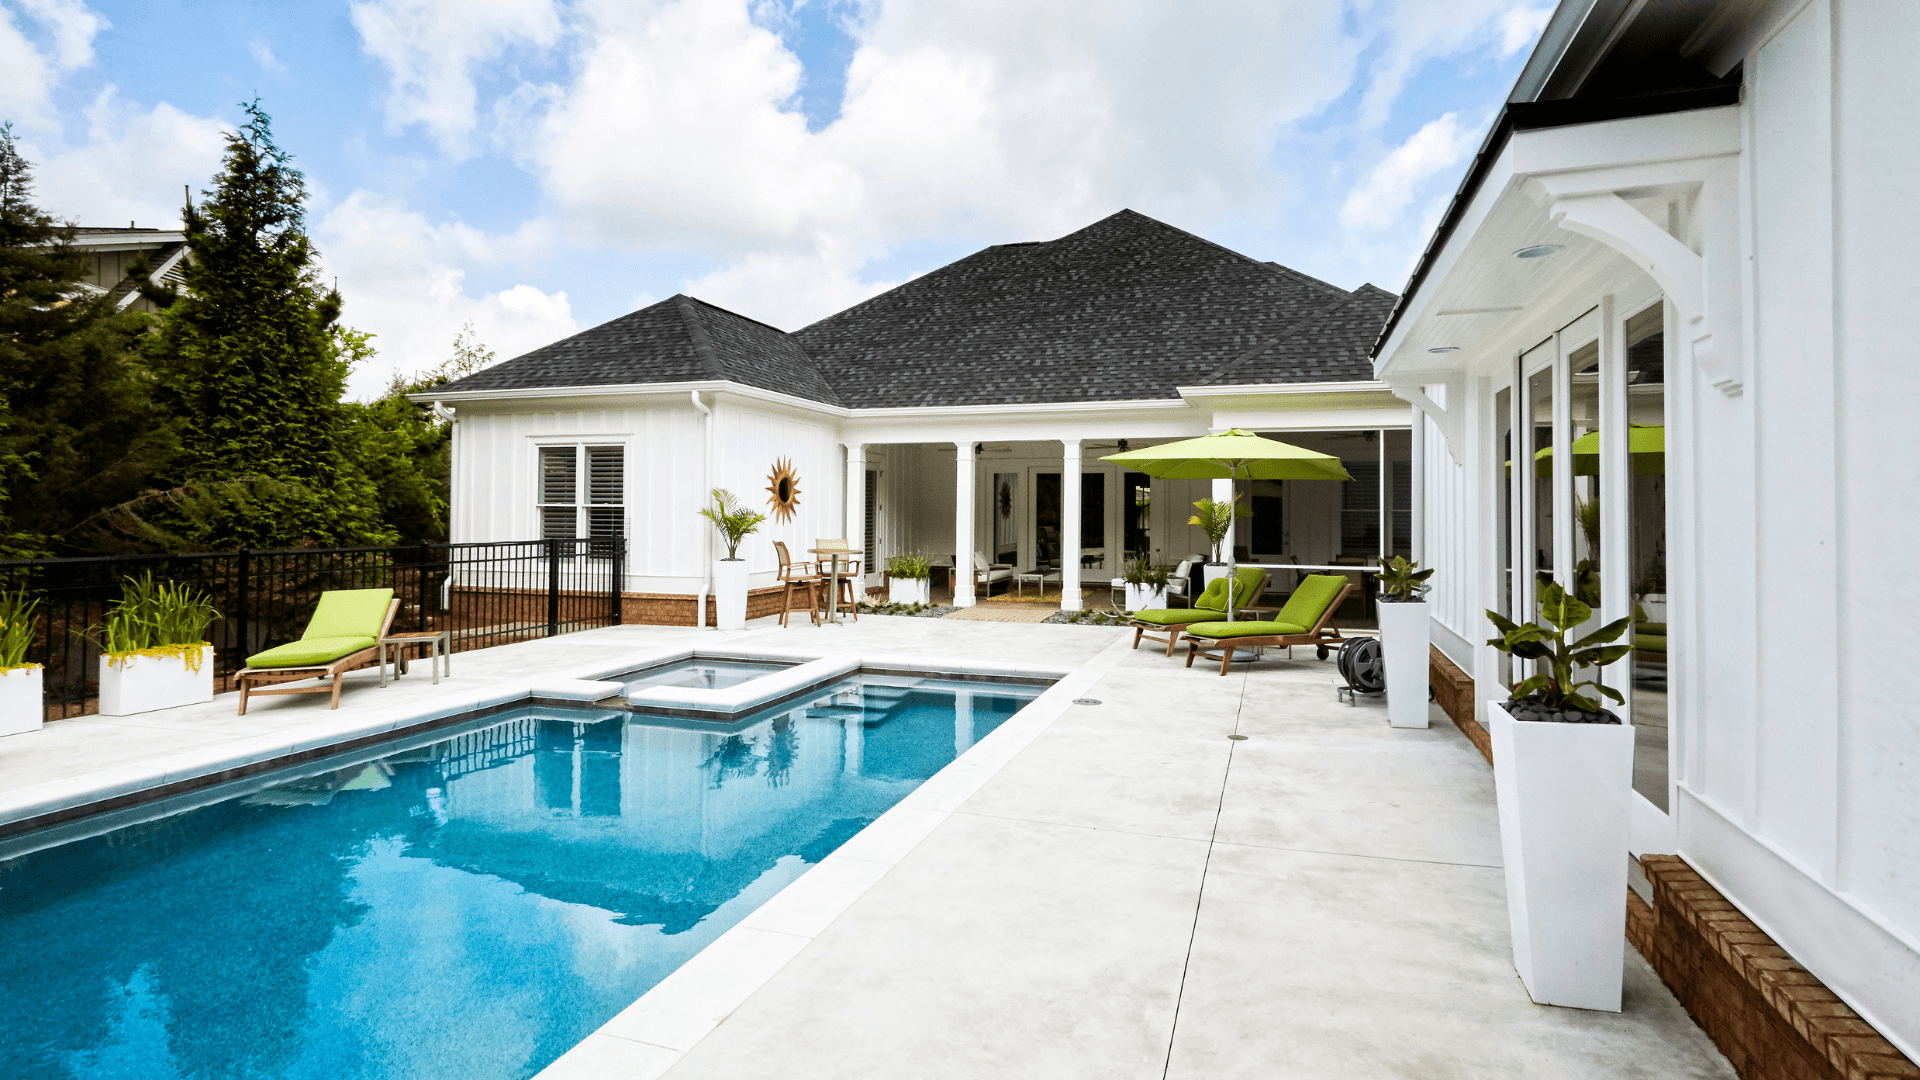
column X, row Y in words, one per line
column 438, row 643
column 1042, row 578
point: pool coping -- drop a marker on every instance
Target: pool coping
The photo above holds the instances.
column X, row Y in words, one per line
column 650, row 1036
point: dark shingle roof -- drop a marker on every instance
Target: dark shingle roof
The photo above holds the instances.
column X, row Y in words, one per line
column 1331, row 348
column 679, row 339
column 1127, row 308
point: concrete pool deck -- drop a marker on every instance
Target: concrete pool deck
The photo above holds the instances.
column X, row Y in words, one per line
column 1101, row 890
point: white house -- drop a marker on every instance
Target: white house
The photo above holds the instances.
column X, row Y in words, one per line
column 1690, row 238
column 940, row 418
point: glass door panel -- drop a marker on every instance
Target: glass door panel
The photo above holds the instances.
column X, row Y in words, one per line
column 1647, row 559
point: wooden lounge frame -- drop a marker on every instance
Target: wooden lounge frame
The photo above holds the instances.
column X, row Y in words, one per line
column 250, row 680
column 1152, row 631
column 1322, row 635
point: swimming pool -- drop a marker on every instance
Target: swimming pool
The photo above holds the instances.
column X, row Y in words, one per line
column 466, row 908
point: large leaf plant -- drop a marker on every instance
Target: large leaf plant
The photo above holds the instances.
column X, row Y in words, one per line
column 1401, row 579
column 734, row 521
column 1556, row 687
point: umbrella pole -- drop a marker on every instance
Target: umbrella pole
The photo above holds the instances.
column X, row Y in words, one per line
column 1233, row 502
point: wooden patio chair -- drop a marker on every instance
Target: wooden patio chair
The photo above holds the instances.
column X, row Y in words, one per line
column 1209, row 607
column 797, row 575
column 343, row 634
column 1306, row 620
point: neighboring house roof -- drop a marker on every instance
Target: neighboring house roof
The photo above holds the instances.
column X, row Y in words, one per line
column 679, row 339
column 1128, row 308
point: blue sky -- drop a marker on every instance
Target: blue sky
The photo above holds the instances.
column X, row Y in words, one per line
column 539, row 166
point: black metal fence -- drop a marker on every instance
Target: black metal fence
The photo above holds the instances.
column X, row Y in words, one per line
column 482, row 594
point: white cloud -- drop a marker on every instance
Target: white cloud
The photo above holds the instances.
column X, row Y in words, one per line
column 431, row 49
column 404, row 281
column 262, row 51
column 1520, row 26
column 1378, row 202
column 1420, row 31
column 134, row 166
column 29, row 71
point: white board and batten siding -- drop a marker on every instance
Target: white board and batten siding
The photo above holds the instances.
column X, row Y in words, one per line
column 497, row 491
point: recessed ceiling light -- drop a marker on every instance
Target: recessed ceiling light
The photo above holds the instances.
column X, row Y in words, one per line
column 1537, row 250
column 1444, row 349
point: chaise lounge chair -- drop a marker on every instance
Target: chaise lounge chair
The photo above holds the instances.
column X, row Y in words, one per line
column 343, row 634
column 1209, row 607
column 1306, row 620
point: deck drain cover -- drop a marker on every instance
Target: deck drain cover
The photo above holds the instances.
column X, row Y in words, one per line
column 1086, row 701
column 1238, row 738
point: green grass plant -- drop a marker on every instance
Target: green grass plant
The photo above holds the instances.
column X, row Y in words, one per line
column 16, row 628
column 910, row 567
column 156, row 618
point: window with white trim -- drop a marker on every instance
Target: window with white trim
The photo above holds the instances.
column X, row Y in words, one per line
column 581, row 491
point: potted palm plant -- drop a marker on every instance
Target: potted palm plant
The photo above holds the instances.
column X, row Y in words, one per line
column 735, row 523
column 909, row 579
column 154, row 652
column 1563, row 776
column 20, row 682
column 1215, row 518
column 1146, row 584
column 1404, row 640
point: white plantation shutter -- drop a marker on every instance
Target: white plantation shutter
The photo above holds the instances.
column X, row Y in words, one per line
column 606, row 490
column 559, row 485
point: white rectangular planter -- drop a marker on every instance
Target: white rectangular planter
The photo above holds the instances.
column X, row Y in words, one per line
column 1142, row 597
column 21, row 706
column 1563, row 792
column 137, row 683
column 909, row 590
column 730, row 594
column 1211, row 571
column 1403, row 645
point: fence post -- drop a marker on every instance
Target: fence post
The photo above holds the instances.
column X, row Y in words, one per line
column 240, row 616
column 619, row 574
column 553, row 588
column 420, row 612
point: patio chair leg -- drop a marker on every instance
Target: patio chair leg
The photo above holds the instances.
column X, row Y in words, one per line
column 1137, row 631
column 1226, row 658
column 1173, row 638
column 1192, row 647
column 337, row 676
column 244, row 690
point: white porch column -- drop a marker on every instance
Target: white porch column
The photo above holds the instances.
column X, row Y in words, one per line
column 1222, row 493
column 1070, row 525
column 963, row 524
column 1417, row 468
column 857, row 501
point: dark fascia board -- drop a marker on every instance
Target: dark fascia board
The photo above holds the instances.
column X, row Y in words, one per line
column 1535, row 116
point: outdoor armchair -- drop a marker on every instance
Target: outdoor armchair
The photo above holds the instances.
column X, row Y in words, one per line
column 344, row 633
column 1306, row 620
column 798, row 575
column 986, row 575
column 1209, row 607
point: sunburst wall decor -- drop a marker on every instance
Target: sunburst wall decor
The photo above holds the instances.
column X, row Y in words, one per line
column 783, row 490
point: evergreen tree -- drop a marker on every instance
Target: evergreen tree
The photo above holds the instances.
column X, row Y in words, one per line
column 84, row 432
column 249, row 358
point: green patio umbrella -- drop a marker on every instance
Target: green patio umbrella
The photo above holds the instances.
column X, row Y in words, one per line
column 1232, row 455
column 1647, row 443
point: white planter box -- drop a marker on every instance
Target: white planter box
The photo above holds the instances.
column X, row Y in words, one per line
column 730, row 594
column 1212, row 571
column 1403, row 645
column 137, row 683
column 1655, row 605
column 1142, row 597
column 1564, row 794
column 21, row 706
column 909, row 590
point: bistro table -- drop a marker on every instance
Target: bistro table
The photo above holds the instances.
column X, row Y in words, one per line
column 438, row 644
column 834, row 551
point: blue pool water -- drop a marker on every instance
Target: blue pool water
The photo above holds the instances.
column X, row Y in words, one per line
column 465, row 910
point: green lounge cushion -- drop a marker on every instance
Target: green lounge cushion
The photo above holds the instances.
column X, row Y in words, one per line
column 1310, row 600
column 1246, row 579
column 309, row 651
column 1244, row 629
column 349, row 613
column 1176, row 616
